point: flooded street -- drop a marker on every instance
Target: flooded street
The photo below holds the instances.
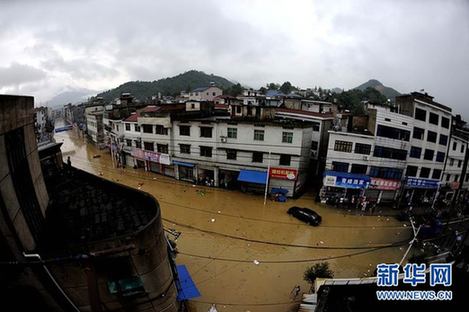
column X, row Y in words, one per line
column 245, row 256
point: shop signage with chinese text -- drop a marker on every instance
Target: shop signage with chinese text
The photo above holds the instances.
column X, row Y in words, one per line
column 283, row 173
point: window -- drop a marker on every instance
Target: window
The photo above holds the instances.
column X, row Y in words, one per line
column 434, row 118
column 137, row 128
column 128, row 142
column 138, row 144
column 232, row 133
column 467, row 177
column 340, row 166
column 440, row 157
column 418, row 133
column 162, row 148
column 411, row 171
column 448, row 176
column 451, row 161
column 184, row 148
column 364, row 149
column 343, row 146
column 459, row 163
column 285, row 160
column 443, row 139
column 314, row 145
column 393, row 133
column 424, row 172
column 415, row 152
column 316, row 126
column 185, row 130
column 436, row 174
column 147, row 128
column 258, row 135
column 127, row 127
column 431, row 136
column 257, row 157
column 455, row 145
column 445, row 122
column 387, row 119
column 206, row 132
column 206, row 151
column 148, row 146
column 161, row 130
column 385, row 173
column 287, row 137
column 231, row 154
column 238, row 109
column 420, row 114
column 392, row 153
column 456, row 178
column 428, row 154
column 462, row 148
column 360, row 169
column 117, row 127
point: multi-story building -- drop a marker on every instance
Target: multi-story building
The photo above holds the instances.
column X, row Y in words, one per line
column 93, row 245
column 205, row 93
column 95, row 129
column 199, row 144
column 392, row 149
column 43, row 124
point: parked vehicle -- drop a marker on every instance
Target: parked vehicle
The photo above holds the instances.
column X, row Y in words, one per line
column 306, row 215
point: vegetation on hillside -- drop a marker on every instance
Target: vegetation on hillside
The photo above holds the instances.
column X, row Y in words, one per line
column 187, row 81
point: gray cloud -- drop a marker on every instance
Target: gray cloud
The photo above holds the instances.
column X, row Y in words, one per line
column 408, row 45
column 17, row 74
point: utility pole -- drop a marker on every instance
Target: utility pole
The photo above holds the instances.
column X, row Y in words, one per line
column 267, row 180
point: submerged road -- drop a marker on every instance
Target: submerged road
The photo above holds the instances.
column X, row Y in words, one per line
column 245, row 256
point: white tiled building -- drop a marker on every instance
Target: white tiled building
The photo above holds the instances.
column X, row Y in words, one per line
column 218, row 150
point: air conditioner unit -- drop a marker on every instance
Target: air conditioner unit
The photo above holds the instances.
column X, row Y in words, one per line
column 223, row 139
column 365, row 157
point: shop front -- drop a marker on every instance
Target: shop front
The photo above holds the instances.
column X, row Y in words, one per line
column 228, row 179
column 206, row 176
column 343, row 187
column 185, row 171
column 252, row 181
column 419, row 191
column 153, row 161
column 284, row 179
column 382, row 190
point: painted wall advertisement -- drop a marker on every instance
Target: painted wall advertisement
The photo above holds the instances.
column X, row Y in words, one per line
column 151, row 156
column 284, row 173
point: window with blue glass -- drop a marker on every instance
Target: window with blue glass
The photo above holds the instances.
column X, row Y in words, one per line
column 443, row 139
column 440, row 157
column 340, row 166
column 388, row 152
column 385, row 173
column 393, row 133
column 415, row 152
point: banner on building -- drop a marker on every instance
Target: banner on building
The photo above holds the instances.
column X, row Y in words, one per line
column 419, row 183
column 151, row 156
column 346, row 180
column 384, row 184
column 283, row 173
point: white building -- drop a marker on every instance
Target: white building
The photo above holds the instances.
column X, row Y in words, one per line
column 205, row 93
column 390, row 150
column 218, row 150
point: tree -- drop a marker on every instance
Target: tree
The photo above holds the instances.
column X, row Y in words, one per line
column 272, row 86
column 318, row 270
column 286, row 87
column 263, row 90
column 234, row 90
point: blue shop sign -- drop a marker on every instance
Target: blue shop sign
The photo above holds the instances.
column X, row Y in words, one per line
column 419, row 183
column 346, row 180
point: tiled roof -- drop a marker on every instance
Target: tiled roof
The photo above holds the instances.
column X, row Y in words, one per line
column 132, row 118
column 306, row 113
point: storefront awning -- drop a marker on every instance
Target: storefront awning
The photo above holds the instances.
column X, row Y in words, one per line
column 182, row 163
column 186, row 287
column 252, row 176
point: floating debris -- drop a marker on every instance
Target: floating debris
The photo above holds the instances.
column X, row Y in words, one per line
column 256, row 262
column 212, row 220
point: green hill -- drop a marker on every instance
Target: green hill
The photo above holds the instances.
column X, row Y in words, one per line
column 388, row 92
column 167, row 86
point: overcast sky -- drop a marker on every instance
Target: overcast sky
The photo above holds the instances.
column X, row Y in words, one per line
column 50, row 46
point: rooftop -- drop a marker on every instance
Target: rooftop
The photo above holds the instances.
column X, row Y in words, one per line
column 84, row 208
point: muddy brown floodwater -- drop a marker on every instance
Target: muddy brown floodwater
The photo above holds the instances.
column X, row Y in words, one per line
column 242, row 255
